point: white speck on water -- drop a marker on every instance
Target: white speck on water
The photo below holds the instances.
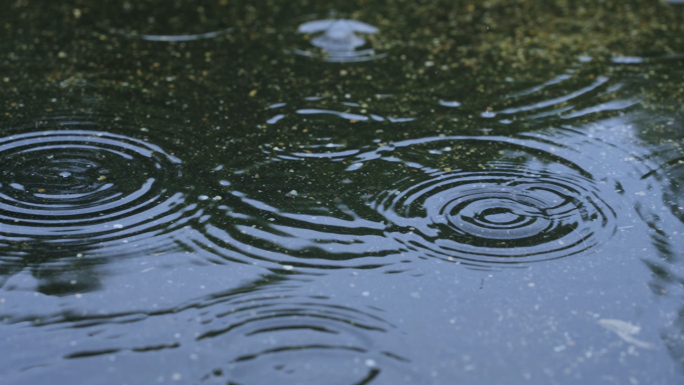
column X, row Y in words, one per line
column 447, row 103
column 288, row 267
column 118, row 226
column 203, row 197
column 275, row 119
column 365, row 293
column 370, row 363
column 65, row 174
column 354, row 167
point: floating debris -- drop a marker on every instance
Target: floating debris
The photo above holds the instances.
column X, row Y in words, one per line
column 626, row 331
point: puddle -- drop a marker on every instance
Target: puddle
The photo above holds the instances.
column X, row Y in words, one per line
column 429, row 192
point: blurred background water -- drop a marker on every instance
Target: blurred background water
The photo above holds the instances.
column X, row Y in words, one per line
column 420, row 192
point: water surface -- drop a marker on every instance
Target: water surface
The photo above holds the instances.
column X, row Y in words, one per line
column 347, row 192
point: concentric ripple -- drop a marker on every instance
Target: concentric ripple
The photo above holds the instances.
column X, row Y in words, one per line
column 300, row 340
column 248, row 332
column 294, row 215
column 79, row 187
column 504, row 203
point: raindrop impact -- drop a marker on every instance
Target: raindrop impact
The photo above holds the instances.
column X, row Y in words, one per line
column 79, row 188
column 493, row 201
column 339, row 40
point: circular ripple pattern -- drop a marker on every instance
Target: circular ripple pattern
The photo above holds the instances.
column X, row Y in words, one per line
column 302, row 340
column 294, row 215
column 76, row 186
column 507, row 204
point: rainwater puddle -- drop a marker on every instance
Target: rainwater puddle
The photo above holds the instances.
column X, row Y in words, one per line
column 438, row 192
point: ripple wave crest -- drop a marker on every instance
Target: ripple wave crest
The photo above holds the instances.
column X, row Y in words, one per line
column 493, row 201
column 79, row 187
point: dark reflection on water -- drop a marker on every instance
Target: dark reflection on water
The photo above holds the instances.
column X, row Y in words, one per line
column 438, row 192
column 299, row 223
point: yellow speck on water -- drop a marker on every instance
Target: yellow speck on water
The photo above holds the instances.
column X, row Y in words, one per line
column 447, row 169
column 77, row 13
column 252, row 93
column 41, row 190
column 101, row 178
column 62, row 54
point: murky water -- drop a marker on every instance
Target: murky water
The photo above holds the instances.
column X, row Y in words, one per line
column 341, row 192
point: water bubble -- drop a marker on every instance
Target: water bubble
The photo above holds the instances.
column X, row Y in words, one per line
column 338, row 40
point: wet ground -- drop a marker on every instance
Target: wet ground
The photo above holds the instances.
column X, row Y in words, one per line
column 385, row 192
